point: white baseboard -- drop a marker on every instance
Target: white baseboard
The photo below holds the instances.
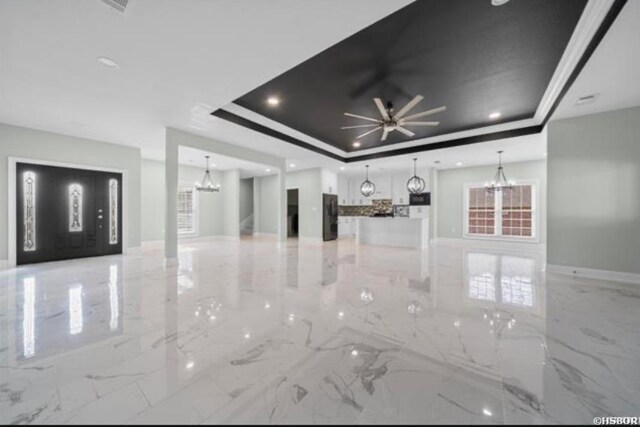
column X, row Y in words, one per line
column 592, row 273
column 493, row 244
column 303, row 239
column 136, row 250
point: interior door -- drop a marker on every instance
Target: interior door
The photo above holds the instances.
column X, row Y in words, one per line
column 65, row 213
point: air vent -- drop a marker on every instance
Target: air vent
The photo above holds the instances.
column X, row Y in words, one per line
column 119, row 5
column 586, row 99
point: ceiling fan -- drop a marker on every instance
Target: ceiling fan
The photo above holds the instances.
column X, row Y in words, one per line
column 395, row 121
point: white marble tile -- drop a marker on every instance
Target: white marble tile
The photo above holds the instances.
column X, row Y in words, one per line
column 315, row 333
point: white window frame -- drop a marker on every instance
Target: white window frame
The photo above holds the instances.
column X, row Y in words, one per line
column 196, row 211
column 535, row 215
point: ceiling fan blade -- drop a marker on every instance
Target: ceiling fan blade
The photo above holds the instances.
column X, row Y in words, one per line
column 403, row 123
column 381, row 108
column 404, row 110
column 426, row 113
column 405, row 131
column 367, row 133
column 358, row 126
column 361, row 117
column 384, row 135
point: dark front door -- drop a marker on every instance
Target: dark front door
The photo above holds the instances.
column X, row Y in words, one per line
column 65, row 213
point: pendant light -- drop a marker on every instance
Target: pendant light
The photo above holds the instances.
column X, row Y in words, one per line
column 207, row 183
column 415, row 185
column 500, row 181
column 367, row 188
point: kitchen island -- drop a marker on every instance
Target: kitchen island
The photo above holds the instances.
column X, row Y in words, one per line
column 389, row 231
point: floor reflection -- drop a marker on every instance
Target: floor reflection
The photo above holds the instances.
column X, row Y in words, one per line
column 248, row 331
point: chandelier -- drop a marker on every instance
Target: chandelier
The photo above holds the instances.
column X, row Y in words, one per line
column 207, row 183
column 367, row 188
column 415, row 185
column 500, row 181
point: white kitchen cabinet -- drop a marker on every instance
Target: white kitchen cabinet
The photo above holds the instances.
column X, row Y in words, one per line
column 343, row 190
column 383, row 185
column 399, row 192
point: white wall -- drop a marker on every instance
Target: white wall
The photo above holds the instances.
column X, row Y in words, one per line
column 46, row 146
column 231, row 203
column 266, row 191
column 449, row 203
column 594, row 192
column 209, row 205
column 246, row 198
column 309, row 183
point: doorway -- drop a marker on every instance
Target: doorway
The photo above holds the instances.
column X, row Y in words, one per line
column 65, row 213
column 292, row 212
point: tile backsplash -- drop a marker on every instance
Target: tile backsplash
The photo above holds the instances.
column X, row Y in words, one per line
column 378, row 206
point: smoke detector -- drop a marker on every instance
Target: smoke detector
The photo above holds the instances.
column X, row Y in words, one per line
column 118, row 5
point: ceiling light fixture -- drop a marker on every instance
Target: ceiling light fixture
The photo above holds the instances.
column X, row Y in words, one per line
column 459, row 164
column 415, row 185
column 499, row 2
column 273, row 101
column 207, row 183
column 267, row 170
column 356, row 144
column 495, row 115
column 367, row 188
column 292, row 165
column 500, row 181
column 341, row 168
column 107, row 62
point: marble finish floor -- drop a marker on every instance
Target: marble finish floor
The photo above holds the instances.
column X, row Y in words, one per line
column 246, row 332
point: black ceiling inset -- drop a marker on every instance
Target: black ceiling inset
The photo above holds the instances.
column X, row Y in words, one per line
column 468, row 55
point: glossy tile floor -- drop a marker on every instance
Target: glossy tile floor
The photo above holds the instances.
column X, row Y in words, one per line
column 244, row 332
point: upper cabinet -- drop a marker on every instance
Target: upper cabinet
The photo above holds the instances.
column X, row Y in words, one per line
column 388, row 186
column 399, row 188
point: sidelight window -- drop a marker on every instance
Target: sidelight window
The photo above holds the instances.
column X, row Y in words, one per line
column 75, row 208
column 113, row 211
column 29, row 211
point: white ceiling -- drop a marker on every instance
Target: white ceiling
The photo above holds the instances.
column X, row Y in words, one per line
column 181, row 59
column 173, row 56
column 194, row 157
column 612, row 72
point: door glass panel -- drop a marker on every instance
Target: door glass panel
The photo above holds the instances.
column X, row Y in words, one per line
column 29, row 211
column 75, row 208
column 113, row 212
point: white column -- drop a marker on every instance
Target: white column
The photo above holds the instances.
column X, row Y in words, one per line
column 282, row 210
column 171, row 201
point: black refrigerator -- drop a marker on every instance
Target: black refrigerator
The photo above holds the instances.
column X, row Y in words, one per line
column 329, row 217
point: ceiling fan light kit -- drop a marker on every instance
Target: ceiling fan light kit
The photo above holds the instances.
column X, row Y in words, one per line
column 416, row 185
column 367, row 188
column 394, row 121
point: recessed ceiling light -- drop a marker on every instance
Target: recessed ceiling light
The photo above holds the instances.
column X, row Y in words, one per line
column 356, row 144
column 273, row 101
column 292, row 165
column 341, row 168
column 499, row 2
column 487, row 412
column 267, row 170
column 459, row 164
column 107, row 62
column 495, row 115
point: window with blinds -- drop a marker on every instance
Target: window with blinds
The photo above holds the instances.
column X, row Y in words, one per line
column 186, row 211
column 510, row 213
